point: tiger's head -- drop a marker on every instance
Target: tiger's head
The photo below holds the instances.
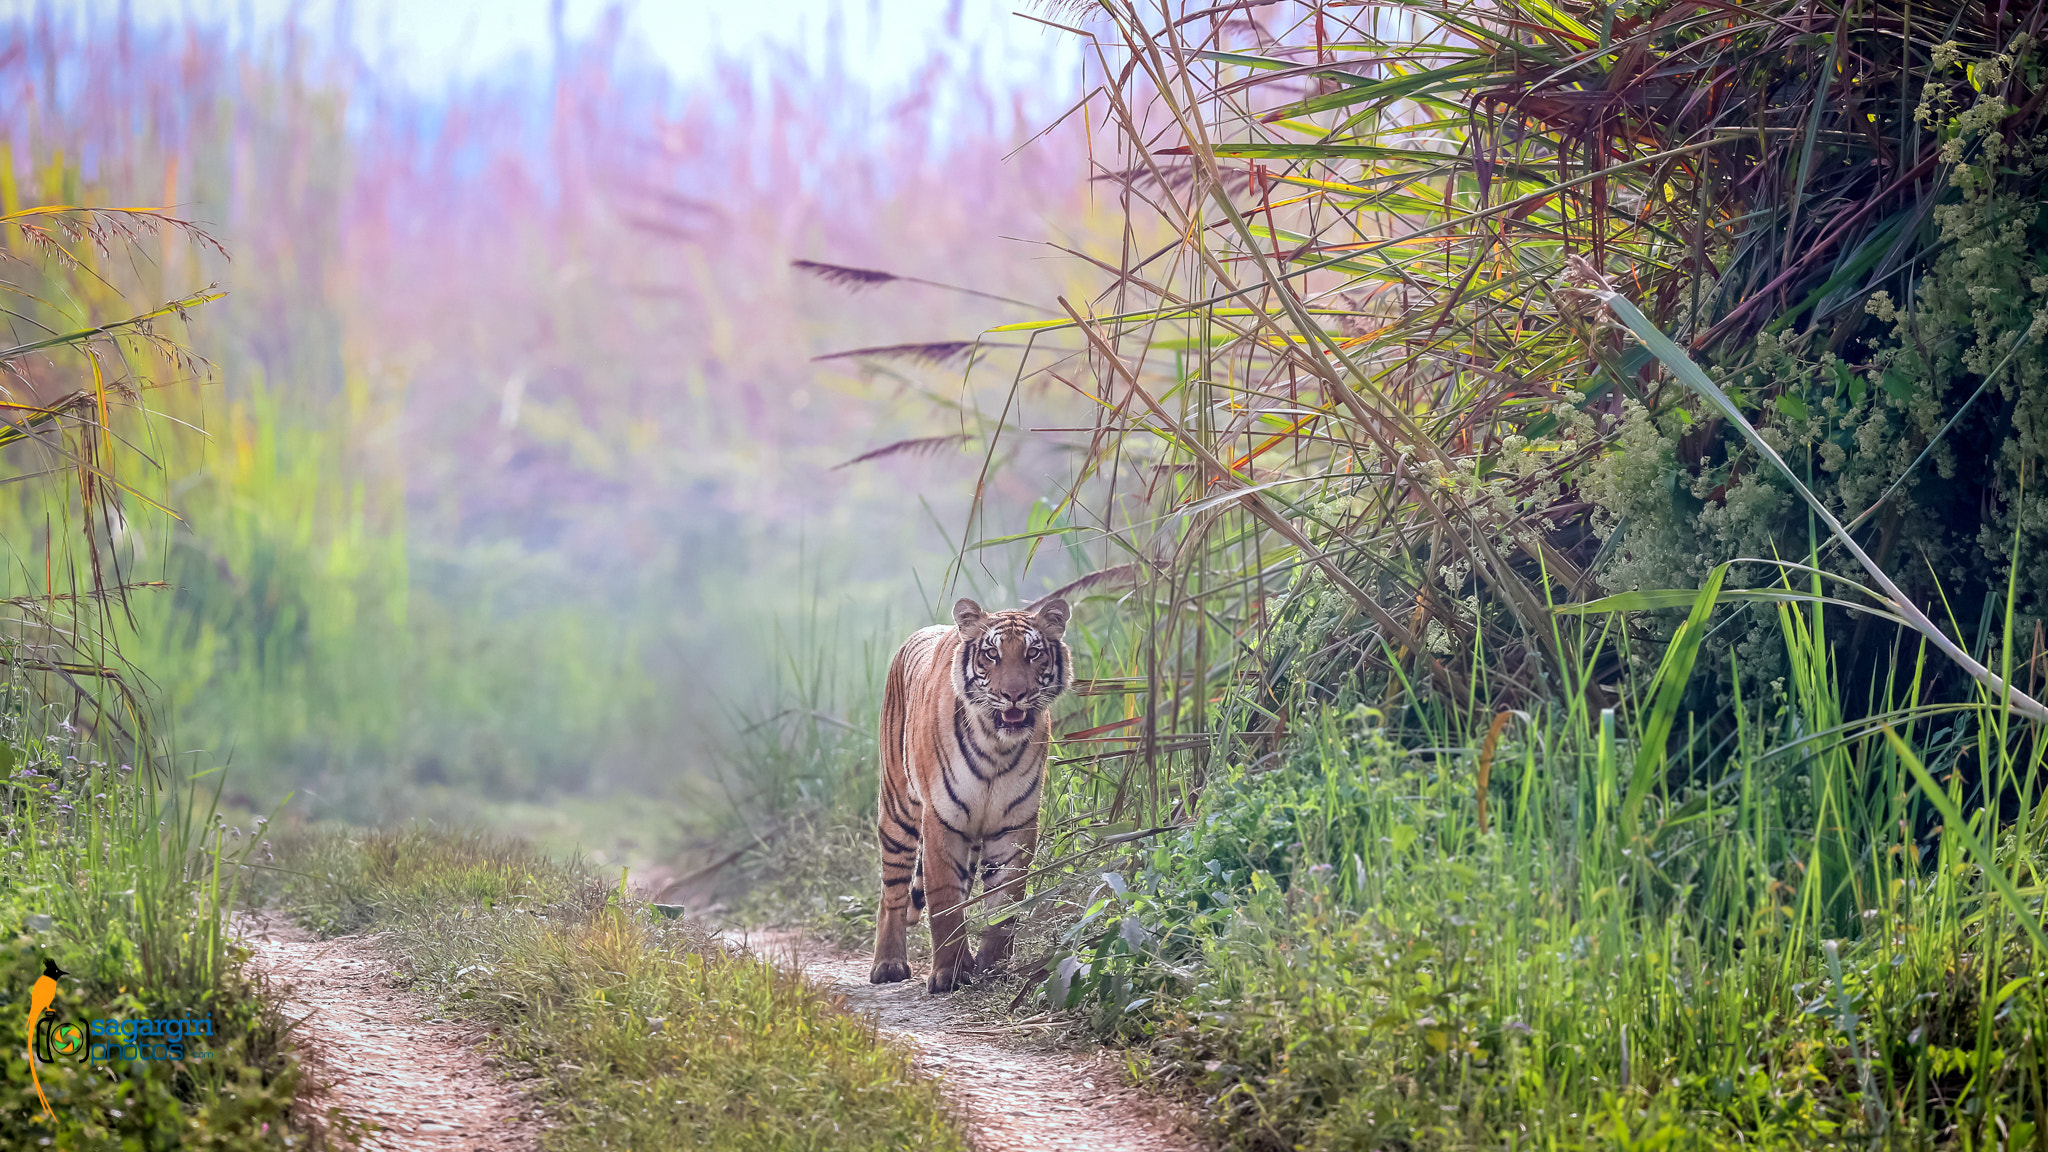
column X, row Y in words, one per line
column 1012, row 665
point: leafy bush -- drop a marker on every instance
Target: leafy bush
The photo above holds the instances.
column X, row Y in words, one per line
column 1917, row 419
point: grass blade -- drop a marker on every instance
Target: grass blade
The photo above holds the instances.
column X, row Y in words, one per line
column 1953, row 824
column 1668, row 690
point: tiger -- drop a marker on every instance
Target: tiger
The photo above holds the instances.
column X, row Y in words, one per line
column 966, row 723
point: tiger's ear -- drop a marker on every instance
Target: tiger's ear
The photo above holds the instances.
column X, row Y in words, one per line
column 968, row 618
column 1052, row 618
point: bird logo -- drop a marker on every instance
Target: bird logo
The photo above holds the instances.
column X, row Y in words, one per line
column 40, row 998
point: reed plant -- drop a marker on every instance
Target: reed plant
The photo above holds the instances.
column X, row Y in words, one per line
column 1452, row 316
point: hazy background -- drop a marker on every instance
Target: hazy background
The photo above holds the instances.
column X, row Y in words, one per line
column 519, row 491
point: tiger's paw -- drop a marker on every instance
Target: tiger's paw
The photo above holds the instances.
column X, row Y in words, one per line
column 994, row 953
column 889, row 972
column 947, row 979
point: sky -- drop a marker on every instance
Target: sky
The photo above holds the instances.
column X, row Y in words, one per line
column 434, row 42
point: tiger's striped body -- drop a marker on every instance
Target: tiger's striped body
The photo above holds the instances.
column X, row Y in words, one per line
column 966, row 722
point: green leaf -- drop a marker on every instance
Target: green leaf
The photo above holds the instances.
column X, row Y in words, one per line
column 1793, row 407
column 1404, row 836
column 1134, row 935
column 1260, row 151
column 1060, row 985
column 1245, row 60
column 1392, row 89
column 1897, row 385
column 1653, row 599
column 1668, row 690
column 993, row 541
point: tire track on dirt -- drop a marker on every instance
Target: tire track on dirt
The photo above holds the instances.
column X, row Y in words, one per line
column 417, row 1084
column 1015, row 1099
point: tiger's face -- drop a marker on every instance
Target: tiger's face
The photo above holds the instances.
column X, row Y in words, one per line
column 1012, row 664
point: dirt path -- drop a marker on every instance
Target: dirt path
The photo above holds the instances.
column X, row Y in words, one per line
column 1017, row 1099
column 388, row 1061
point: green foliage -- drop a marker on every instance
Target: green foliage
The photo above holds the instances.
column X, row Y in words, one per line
column 1916, row 420
column 643, row 1032
column 128, row 889
column 1334, row 955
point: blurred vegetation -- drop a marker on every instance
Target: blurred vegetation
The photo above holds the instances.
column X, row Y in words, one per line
column 512, row 406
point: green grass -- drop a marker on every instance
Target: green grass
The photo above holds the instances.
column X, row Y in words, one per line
column 636, row 1031
column 115, row 864
column 127, row 885
column 1797, row 949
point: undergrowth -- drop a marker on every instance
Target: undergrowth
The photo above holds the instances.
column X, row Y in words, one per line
column 1504, row 935
column 125, row 885
column 636, row 1031
column 1400, row 928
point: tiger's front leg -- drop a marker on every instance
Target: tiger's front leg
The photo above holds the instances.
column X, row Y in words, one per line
column 902, row 895
column 946, row 877
column 1004, row 864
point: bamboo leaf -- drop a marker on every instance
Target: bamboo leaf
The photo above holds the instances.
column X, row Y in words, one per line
column 996, row 540
column 1653, row 599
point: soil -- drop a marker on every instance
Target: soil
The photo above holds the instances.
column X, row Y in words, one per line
column 1016, row 1097
column 404, row 1080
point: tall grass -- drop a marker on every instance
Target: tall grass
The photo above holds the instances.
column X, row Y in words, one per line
column 1349, row 412
column 1465, row 945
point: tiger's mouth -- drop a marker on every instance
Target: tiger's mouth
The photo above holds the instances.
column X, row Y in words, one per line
column 1013, row 720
